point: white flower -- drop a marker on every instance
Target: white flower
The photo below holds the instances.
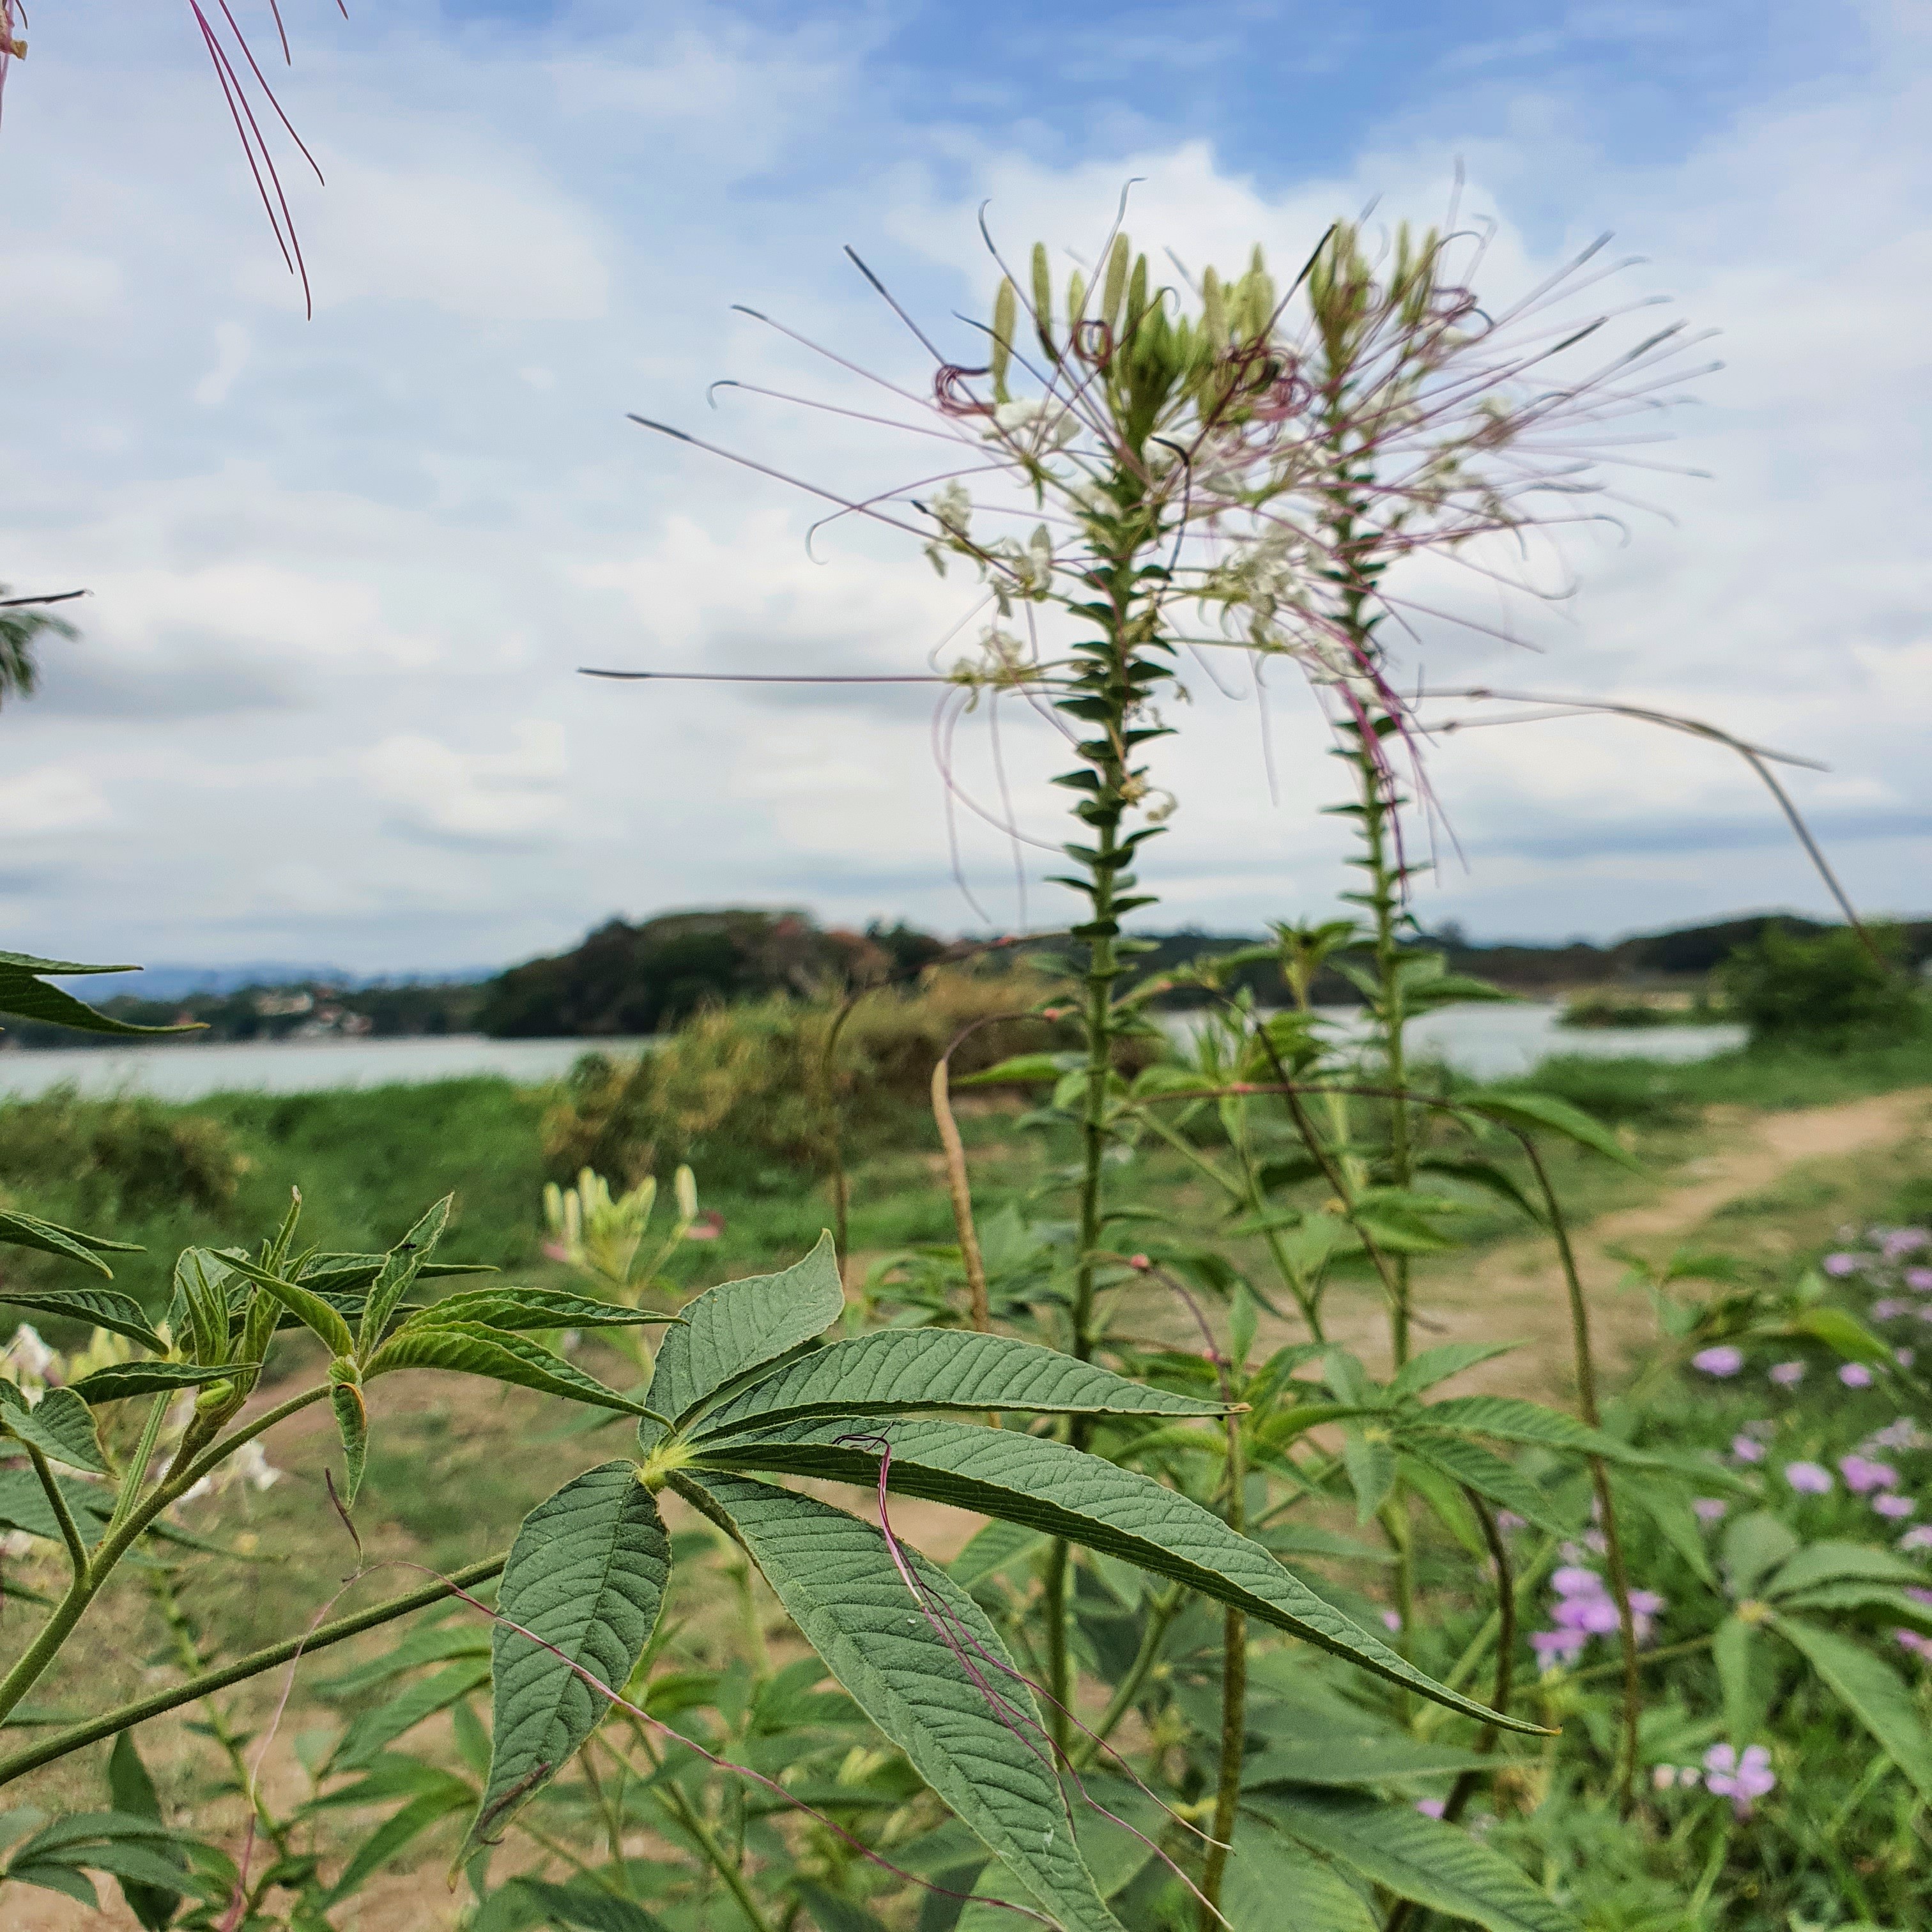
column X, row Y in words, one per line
column 250, row 1464
column 30, row 1357
column 16, row 1544
column 1053, row 425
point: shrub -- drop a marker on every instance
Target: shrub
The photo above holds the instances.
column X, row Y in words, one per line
column 128, row 1155
column 1830, row 989
column 740, row 1089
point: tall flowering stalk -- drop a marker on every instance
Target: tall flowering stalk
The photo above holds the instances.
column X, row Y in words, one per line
column 1230, row 466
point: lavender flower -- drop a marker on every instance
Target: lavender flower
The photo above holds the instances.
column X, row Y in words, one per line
column 1788, row 1374
column 1893, row 1507
column 1890, row 1307
column 1920, row 1646
column 1862, row 1477
column 1919, row 1279
column 1855, row 1374
column 1919, row 1536
column 1904, row 1434
column 1841, row 1265
column 1904, row 1357
column 1809, row 1479
column 1723, row 1361
column 1904, row 1241
column 1431, row 1808
column 1553, row 1647
column 1747, row 1449
column 1741, row 1779
column 1709, row 1509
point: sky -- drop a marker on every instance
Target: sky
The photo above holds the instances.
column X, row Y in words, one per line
column 343, row 569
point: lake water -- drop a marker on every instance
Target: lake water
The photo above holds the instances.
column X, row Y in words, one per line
column 1490, row 1042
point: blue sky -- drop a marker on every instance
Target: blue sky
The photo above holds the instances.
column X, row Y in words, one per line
column 343, row 569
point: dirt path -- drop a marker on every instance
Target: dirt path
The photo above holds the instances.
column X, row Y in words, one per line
column 1518, row 1290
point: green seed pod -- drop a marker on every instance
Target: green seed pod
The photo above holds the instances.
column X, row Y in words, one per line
column 1137, row 294
column 1114, row 291
column 1076, row 300
column 1213, row 310
column 1005, row 319
column 1042, row 297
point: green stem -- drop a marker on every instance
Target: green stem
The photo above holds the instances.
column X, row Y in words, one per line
column 77, row 1737
column 136, row 1471
column 1600, row 1478
column 77, row 1550
column 679, row 1807
column 1126, row 1693
column 1233, row 1700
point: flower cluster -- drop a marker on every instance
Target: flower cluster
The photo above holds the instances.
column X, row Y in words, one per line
column 1582, row 1608
column 1742, row 1776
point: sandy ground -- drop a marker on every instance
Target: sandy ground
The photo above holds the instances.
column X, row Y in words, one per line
column 1517, row 1292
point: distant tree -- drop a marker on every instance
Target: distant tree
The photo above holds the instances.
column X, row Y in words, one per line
column 906, row 947
column 1824, row 988
column 24, row 621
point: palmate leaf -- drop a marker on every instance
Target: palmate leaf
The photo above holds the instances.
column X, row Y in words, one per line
column 1509, row 1418
column 25, row 994
column 739, row 1326
column 509, row 1309
column 1415, row 1857
column 29, row 1231
column 24, row 1505
column 1529, row 1110
column 586, row 1576
column 60, row 1427
column 465, row 1348
column 838, row 1581
column 1048, row 1486
column 899, row 1370
column 100, row 1307
column 1273, row 1885
column 1873, row 1691
column 1437, row 1365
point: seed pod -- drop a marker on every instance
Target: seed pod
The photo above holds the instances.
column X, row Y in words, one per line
column 1005, row 317
column 1042, row 298
column 1115, row 288
column 1137, row 294
column 1213, row 311
column 684, row 1183
column 1076, row 301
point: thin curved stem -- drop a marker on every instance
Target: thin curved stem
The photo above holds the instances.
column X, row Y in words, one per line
column 77, row 1550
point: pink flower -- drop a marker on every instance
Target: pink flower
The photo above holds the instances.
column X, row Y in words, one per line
column 1903, row 1240
column 1904, row 1357
column 1894, row 1507
column 1574, row 1580
column 1724, row 1360
column 1431, row 1808
column 1889, row 1308
column 1747, row 1449
column 1862, row 1477
column 1553, row 1647
column 1855, row 1374
column 1809, row 1479
column 1788, row 1374
column 1709, row 1509
column 1919, row 1279
column 1920, row 1646
column 1839, row 1265
column 1390, row 1621
column 1919, row 1596
column 707, row 1227
column 1740, row 1779
column 1646, row 1607
column 1919, row 1536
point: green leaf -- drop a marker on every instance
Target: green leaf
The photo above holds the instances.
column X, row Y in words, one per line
column 1753, row 1547
column 1436, row 1865
column 401, row 1267
column 24, row 1505
column 1485, row 1174
column 837, row 1580
column 51, row 1875
column 1731, row 1652
column 463, row 1348
column 133, row 1793
column 1486, row 1472
column 1897, row 1606
column 120, row 1380
column 199, row 1311
column 586, row 1576
column 740, row 1326
column 1510, row 1419
column 400, row 1828
column 103, row 1307
column 507, row 1310
column 586, row 1905
column 1267, row 1871
column 22, row 992
column 1021, row 1067
column 1839, row 1330
column 1667, row 1507
column 60, row 1426
column 1368, row 1757
column 351, row 1425
column 832, row 1913
column 1873, row 1691
column 1369, row 1456
column 29, row 1231
column 1832, row 1562
column 436, row 1645
column 1048, row 1486
column 1437, row 1365
column 995, row 1546
column 375, row 1729
column 895, row 1371
column 314, row 1311
column 1516, row 1108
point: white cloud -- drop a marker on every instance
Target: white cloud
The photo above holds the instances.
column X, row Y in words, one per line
column 53, row 798
column 486, row 795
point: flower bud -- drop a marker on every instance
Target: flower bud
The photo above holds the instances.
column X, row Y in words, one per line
column 1006, row 318
column 684, row 1183
column 1115, row 288
column 1042, row 297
